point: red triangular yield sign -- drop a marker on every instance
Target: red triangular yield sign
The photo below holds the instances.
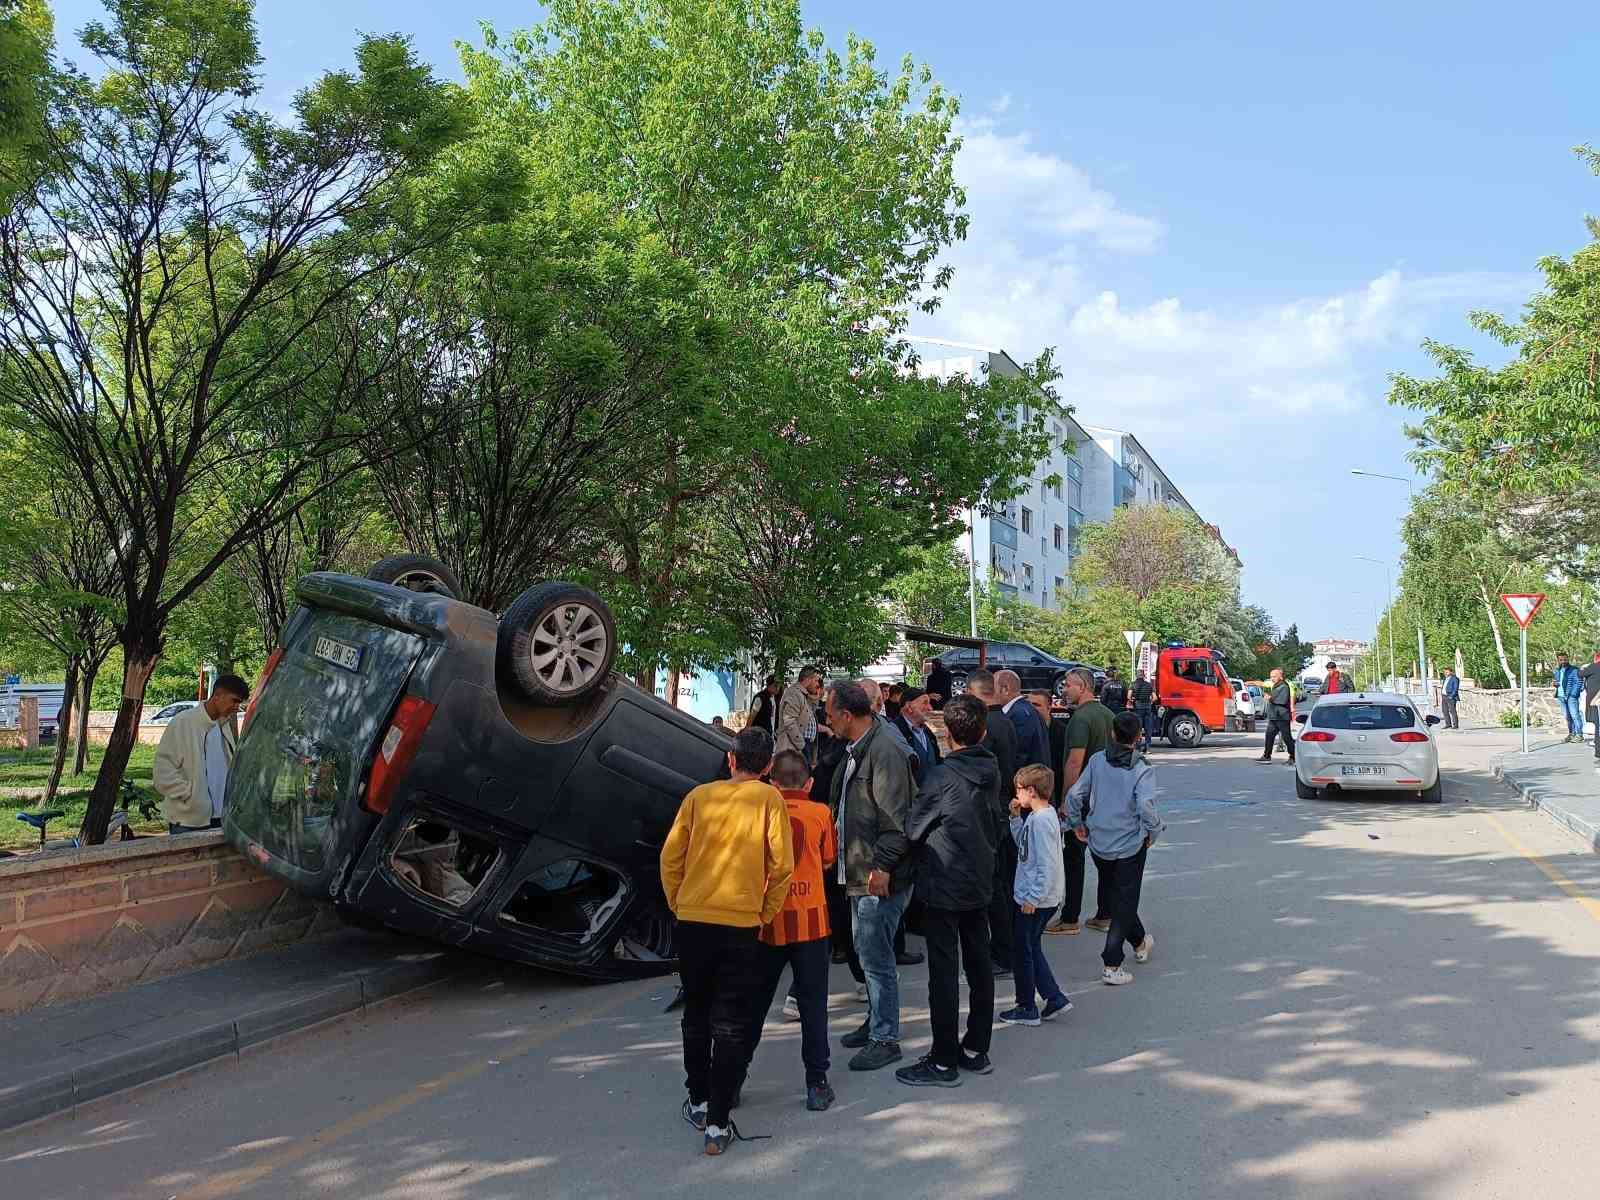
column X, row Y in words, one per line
column 1523, row 605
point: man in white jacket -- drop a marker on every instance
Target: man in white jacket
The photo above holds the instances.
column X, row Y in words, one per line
column 192, row 762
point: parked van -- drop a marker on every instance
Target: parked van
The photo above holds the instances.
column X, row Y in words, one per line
column 1195, row 694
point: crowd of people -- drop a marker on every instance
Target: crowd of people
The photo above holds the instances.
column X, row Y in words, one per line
column 844, row 814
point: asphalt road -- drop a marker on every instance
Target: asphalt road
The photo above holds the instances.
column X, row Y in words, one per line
column 1348, row 999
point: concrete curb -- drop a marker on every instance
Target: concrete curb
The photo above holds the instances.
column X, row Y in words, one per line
column 1549, row 805
column 63, row 1091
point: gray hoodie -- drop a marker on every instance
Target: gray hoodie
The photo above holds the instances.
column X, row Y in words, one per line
column 1117, row 790
column 1041, row 874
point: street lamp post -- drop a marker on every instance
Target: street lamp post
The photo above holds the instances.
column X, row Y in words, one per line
column 1422, row 648
column 1388, row 576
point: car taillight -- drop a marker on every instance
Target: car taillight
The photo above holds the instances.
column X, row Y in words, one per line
column 255, row 695
column 1410, row 735
column 1316, row 735
column 395, row 752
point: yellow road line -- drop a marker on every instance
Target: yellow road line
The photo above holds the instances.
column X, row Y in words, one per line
column 1586, row 902
column 233, row 1182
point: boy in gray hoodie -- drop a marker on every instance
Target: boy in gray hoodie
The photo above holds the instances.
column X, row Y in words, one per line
column 1040, row 887
column 1112, row 808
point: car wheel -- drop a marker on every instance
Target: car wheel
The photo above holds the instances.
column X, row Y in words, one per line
column 1304, row 790
column 1435, row 794
column 557, row 642
column 958, row 685
column 417, row 573
column 1184, row 732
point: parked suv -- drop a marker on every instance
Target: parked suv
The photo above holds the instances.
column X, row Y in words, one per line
column 481, row 780
column 1038, row 670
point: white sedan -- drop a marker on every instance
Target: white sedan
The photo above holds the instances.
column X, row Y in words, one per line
column 1366, row 741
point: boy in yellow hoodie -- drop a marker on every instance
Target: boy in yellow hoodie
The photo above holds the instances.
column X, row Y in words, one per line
column 725, row 868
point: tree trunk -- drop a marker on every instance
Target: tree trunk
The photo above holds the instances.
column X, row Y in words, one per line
column 63, row 724
column 673, row 678
column 1494, row 627
column 80, row 749
column 136, row 671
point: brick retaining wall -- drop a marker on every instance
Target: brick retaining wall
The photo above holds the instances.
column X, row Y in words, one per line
column 74, row 923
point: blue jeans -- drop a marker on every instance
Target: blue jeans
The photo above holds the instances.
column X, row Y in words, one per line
column 1147, row 722
column 1573, row 707
column 1031, row 967
column 875, row 919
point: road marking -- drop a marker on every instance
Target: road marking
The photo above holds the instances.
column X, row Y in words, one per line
column 231, row 1183
column 1586, row 902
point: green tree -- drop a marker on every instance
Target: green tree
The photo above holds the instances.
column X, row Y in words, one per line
column 158, row 270
column 26, row 38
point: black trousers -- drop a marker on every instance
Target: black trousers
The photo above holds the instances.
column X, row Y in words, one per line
column 1452, row 721
column 811, row 962
column 1073, row 852
column 721, row 969
column 839, row 919
column 1278, row 727
column 956, row 940
column 1125, row 877
column 1005, row 881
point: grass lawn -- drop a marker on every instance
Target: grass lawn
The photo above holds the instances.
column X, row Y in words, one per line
column 32, row 770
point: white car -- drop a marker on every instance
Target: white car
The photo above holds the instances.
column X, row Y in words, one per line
column 165, row 716
column 1366, row 741
column 1245, row 702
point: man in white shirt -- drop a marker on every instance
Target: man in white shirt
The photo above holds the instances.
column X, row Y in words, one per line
column 192, row 761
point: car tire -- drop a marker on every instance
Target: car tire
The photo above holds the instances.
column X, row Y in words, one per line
column 1184, row 731
column 1435, row 794
column 958, row 685
column 1304, row 790
column 557, row 642
column 417, row 573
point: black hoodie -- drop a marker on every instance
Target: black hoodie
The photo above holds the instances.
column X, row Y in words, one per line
column 955, row 828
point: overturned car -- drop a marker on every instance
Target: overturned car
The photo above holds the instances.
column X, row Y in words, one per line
column 484, row 782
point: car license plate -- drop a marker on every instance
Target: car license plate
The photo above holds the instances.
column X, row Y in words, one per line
column 339, row 654
column 1363, row 770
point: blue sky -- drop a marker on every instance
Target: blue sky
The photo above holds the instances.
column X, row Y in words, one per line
column 1232, row 222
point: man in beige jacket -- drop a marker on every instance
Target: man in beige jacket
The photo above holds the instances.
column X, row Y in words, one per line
column 192, row 762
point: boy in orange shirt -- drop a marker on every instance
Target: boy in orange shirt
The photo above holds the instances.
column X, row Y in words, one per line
column 799, row 936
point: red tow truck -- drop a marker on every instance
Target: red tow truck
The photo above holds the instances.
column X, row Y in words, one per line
column 1193, row 693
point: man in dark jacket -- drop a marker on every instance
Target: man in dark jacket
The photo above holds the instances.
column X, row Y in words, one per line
column 936, row 682
column 1280, row 713
column 954, row 825
column 1590, row 674
column 1112, row 694
column 872, row 792
column 1333, row 682
column 1056, row 731
column 1144, row 706
column 1033, row 743
column 912, row 722
column 1000, row 740
column 764, row 710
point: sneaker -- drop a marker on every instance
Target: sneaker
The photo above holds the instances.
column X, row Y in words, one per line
column 861, row 993
column 876, row 1056
column 910, row 958
column 1115, row 976
column 1262, row 758
column 976, row 1064
column 1059, row 1005
column 1098, row 924
column 695, row 1114
column 858, row 1037
column 839, row 958
column 791, row 1009
column 1067, row 927
column 1145, row 948
column 928, row 1073
column 819, row 1096
column 1019, row 1016
column 999, row 972
column 718, row 1139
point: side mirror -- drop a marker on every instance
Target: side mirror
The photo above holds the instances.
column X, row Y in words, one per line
column 1301, row 718
column 1431, row 719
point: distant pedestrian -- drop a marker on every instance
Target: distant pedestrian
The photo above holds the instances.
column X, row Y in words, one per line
column 725, row 869
column 1569, row 690
column 877, row 697
column 937, row 681
column 1112, row 694
column 912, row 722
column 764, row 708
column 1033, row 743
column 1280, row 715
column 893, row 701
column 957, row 831
column 1333, row 682
column 1040, row 888
column 1144, row 706
column 719, row 725
column 1112, row 808
column 872, row 794
column 194, row 757
column 1591, row 693
column 798, row 938
column 797, row 719
column 1001, row 741
column 1088, row 734
column 1451, row 696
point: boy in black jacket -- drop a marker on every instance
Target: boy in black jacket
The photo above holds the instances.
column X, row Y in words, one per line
column 956, row 829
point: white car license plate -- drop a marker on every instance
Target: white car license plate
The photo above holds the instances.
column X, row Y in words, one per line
column 1363, row 770
column 339, row 654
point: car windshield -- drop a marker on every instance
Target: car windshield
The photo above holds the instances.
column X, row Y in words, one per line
column 1363, row 716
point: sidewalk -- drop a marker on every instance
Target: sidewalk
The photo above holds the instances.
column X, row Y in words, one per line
column 58, row 1057
column 1559, row 779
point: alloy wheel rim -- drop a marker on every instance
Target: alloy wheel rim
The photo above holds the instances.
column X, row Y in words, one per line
column 568, row 647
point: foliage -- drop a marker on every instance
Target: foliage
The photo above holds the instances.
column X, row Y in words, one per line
column 26, row 36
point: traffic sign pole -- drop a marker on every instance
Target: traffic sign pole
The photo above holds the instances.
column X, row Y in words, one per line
column 1133, row 637
column 1524, row 689
column 1523, row 606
